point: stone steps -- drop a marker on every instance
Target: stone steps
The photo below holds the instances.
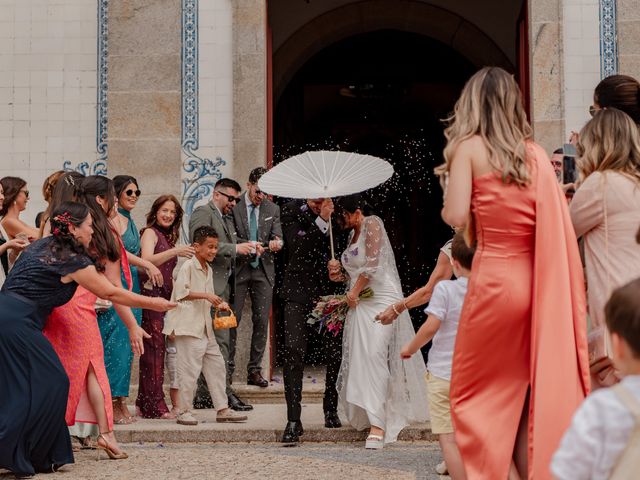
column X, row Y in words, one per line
column 265, row 424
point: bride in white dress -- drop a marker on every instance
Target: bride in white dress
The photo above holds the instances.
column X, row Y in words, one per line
column 377, row 389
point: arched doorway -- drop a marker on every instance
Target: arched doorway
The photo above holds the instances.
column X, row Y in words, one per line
column 377, row 77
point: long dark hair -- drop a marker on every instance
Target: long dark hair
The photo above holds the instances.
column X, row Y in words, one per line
column 174, row 233
column 104, row 243
column 11, row 187
column 621, row 92
column 64, row 191
column 64, row 245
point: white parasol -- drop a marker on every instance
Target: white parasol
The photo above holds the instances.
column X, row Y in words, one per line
column 325, row 174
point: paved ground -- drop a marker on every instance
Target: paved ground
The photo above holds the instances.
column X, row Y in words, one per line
column 322, row 461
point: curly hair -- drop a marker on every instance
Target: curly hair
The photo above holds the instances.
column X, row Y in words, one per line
column 174, row 234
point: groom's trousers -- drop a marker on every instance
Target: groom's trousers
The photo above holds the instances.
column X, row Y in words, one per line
column 296, row 336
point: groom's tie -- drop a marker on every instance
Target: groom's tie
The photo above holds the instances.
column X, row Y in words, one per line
column 253, row 232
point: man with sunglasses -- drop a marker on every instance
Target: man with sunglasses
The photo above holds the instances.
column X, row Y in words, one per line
column 256, row 219
column 216, row 214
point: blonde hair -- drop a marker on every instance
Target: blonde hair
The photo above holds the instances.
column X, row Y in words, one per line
column 609, row 141
column 490, row 106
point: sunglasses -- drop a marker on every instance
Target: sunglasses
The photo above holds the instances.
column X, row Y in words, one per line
column 231, row 198
column 26, row 193
column 593, row 110
column 130, row 193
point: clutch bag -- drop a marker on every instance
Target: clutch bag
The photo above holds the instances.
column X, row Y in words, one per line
column 224, row 319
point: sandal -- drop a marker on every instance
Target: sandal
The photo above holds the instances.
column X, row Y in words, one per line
column 107, row 448
column 374, row 442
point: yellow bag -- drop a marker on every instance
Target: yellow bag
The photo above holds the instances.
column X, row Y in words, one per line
column 224, row 319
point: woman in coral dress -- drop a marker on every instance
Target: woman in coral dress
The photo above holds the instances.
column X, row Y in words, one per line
column 520, row 366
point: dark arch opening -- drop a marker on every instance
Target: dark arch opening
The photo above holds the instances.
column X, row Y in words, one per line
column 382, row 93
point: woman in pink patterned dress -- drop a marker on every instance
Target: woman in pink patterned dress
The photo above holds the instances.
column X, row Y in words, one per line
column 73, row 329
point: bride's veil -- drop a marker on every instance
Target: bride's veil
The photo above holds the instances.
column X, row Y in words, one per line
column 406, row 400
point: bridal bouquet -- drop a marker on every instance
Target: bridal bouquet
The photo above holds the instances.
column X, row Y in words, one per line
column 331, row 311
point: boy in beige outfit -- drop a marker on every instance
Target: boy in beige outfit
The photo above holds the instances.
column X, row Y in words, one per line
column 191, row 323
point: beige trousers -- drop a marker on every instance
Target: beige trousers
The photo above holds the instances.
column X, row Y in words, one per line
column 197, row 355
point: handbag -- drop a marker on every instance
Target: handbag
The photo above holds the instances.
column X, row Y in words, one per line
column 223, row 319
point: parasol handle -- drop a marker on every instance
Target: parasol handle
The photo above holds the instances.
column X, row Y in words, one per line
column 333, row 255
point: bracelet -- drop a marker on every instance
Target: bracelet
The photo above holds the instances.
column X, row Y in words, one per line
column 350, row 297
column 395, row 310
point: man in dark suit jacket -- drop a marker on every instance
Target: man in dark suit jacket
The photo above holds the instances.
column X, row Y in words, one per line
column 256, row 219
column 216, row 214
column 306, row 278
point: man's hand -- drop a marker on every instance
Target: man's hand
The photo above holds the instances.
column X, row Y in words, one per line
column 275, row 245
column 326, row 209
column 245, row 248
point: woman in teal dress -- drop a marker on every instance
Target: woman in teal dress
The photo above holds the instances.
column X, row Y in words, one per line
column 115, row 337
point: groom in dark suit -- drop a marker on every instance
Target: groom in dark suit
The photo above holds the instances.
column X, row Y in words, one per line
column 306, row 234
column 256, row 219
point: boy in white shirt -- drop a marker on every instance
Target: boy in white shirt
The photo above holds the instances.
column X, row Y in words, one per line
column 601, row 428
column 441, row 326
column 191, row 323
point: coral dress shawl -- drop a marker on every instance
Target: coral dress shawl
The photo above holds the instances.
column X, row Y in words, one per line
column 523, row 327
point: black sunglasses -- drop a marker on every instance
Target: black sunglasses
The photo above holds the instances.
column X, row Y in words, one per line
column 231, row 198
column 131, row 192
column 593, row 110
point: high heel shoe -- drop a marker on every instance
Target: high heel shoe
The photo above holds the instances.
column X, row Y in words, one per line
column 107, row 448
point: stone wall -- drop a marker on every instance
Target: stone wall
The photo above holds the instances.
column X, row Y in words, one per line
column 249, row 87
column 145, row 96
column 546, row 67
column 628, row 15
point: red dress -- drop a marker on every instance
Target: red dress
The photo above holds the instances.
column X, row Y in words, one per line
column 73, row 331
column 522, row 328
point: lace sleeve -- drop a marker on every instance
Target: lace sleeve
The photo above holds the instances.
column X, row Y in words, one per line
column 374, row 241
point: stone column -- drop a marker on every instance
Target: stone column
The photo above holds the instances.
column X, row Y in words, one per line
column 249, row 87
column 628, row 23
column 545, row 54
column 249, row 128
column 144, row 96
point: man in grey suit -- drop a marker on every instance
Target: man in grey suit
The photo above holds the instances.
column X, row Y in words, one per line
column 216, row 214
column 256, row 219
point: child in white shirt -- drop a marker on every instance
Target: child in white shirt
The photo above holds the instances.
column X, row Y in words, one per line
column 441, row 326
column 601, row 428
column 191, row 323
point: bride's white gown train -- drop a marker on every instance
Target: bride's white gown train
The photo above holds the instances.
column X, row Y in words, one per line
column 375, row 386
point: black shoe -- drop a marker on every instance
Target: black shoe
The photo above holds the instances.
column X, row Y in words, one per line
column 292, row 433
column 238, row 405
column 331, row 420
column 256, row 378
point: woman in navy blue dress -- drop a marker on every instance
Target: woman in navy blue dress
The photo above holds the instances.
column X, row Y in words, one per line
column 33, row 432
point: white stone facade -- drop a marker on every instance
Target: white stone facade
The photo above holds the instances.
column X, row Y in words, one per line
column 47, row 89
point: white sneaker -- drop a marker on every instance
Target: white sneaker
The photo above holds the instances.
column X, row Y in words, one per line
column 441, row 468
column 186, row 418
